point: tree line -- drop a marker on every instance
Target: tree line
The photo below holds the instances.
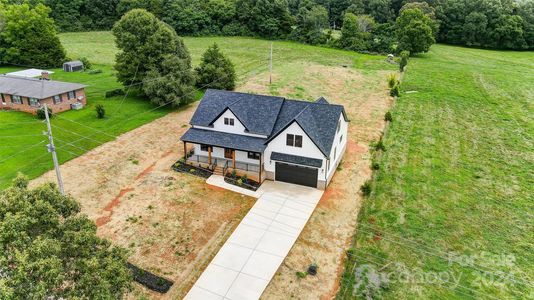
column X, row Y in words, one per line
column 501, row 24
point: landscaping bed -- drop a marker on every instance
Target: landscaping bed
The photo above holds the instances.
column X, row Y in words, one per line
column 151, row 281
column 242, row 182
column 182, row 167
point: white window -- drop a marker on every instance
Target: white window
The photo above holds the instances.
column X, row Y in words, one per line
column 16, row 99
column 71, row 95
column 253, row 155
column 204, row 147
column 294, row 140
column 57, row 99
column 229, row 121
column 341, row 138
column 33, row 102
column 338, row 125
column 335, row 152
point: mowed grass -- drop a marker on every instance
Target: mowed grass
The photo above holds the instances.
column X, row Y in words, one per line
column 451, row 211
column 22, row 147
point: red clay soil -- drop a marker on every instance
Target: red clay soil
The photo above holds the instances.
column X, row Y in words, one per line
column 109, row 207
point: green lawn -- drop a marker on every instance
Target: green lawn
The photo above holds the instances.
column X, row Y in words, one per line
column 20, row 132
column 454, row 194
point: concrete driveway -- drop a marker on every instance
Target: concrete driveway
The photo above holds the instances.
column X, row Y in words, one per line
column 250, row 257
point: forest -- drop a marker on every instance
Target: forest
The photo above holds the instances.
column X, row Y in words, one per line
column 499, row 24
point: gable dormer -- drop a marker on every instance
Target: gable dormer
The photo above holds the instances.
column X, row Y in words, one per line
column 228, row 122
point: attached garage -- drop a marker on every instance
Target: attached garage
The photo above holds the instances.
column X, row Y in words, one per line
column 296, row 169
column 296, row 174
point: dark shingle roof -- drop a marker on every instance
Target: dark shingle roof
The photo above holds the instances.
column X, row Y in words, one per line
column 35, row 88
column 295, row 159
column 322, row 100
column 223, row 139
column 268, row 115
column 318, row 120
column 257, row 112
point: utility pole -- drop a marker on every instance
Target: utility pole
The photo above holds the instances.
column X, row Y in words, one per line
column 52, row 149
column 271, row 65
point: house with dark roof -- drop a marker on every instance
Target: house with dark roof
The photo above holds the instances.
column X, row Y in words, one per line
column 30, row 94
column 267, row 137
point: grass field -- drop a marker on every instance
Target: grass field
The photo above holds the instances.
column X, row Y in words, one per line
column 451, row 211
column 21, row 133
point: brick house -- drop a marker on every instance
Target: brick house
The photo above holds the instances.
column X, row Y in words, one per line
column 30, row 94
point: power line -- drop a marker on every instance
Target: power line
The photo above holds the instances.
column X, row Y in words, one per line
column 20, row 152
column 21, row 135
column 131, row 117
column 75, row 133
column 153, row 109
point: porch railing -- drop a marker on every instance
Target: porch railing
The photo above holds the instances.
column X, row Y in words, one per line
column 225, row 163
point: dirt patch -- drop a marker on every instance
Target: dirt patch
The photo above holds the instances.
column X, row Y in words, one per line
column 328, row 234
column 109, row 208
column 171, row 223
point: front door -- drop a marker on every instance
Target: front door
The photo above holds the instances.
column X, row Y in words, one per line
column 228, row 153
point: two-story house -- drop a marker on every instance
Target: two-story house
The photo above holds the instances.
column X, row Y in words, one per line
column 267, row 137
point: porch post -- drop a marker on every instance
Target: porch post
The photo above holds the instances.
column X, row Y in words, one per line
column 209, row 155
column 233, row 159
column 261, row 165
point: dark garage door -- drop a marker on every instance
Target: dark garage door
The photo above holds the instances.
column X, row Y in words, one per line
column 296, row 174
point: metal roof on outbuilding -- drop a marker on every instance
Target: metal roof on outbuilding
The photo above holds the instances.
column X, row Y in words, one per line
column 35, row 88
column 74, row 63
column 30, row 73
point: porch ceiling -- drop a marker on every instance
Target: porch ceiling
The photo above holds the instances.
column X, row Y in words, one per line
column 223, row 139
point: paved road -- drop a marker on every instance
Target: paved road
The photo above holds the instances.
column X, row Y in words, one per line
column 250, row 257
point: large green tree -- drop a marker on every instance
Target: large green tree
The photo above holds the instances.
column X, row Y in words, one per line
column 215, row 71
column 267, row 18
column 414, row 31
column 170, row 82
column 28, row 36
column 49, row 251
column 356, row 32
column 311, row 25
column 144, row 42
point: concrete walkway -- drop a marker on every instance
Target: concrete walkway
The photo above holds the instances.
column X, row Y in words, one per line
column 250, row 257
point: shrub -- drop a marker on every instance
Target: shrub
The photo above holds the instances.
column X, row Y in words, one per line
column 404, row 59
column 388, row 117
column 301, row 274
column 87, row 65
column 239, row 181
column 366, row 188
column 100, row 111
column 234, row 174
column 375, row 166
column 245, row 178
column 379, row 146
column 215, row 71
column 115, row 92
column 394, row 92
column 392, row 80
column 41, row 113
column 96, row 71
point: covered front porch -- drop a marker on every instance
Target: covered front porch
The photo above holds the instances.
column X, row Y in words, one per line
column 225, row 161
column 224, row 153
